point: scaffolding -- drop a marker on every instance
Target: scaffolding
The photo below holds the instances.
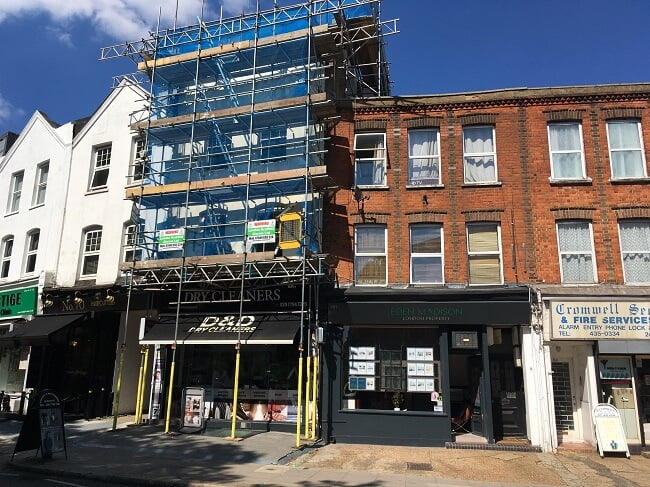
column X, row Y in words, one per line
column 235, row 144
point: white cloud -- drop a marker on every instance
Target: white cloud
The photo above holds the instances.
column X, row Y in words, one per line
column 7, row 110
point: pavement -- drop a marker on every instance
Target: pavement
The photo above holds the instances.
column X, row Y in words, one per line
column 145, row 455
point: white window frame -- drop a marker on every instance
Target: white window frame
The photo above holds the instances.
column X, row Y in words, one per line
column 90, row 249
column 416, row 255
column 592, row 252
column 635, row 251
column 471, row 253
column 101, row 163
column 139, row 160
column 31, row 253
column 583, row 170
column 40, row 186
column 481, row 154
column 15, row 192
column 129, row 242
column 640, row 148
column 433, row 158
column 5, row 258
column 383, row 254
column 366, row 160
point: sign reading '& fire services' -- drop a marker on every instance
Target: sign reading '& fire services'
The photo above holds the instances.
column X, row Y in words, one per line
column 596, row 320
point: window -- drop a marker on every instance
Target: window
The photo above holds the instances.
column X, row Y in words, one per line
column 31, row 251
column 15, row 191
column 626, row 149
column 138, row 167
column 101, row 167
column 132, row 251
column 370, row 159
column 40, row 184
column 635, row 250
column 370, row 255
column 484, row 253
column 92, row 242
column 479, row 154
column 426, row 254
column 5, row 257
column 424, row 157
column 575, row 244
column 567, row 154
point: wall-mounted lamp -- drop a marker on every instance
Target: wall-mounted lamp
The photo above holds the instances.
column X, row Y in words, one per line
column 77, row 297
column 110, row 298
column 48, row 302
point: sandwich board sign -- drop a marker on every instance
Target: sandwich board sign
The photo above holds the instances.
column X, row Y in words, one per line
column 609, row 430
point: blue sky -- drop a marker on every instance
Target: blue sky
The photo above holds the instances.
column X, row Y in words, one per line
column 50, row 48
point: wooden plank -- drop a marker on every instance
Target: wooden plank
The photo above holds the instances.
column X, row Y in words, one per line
column 228, row 259
column 232, row 47
column 314, row 172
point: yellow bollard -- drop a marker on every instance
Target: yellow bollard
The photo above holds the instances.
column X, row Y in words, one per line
column 235, row 395
column 307, row 398
column 298, row 415
column 314, row 399
column 136, row 420
column 168, row 412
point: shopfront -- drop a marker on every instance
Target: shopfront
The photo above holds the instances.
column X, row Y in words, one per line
column 422, row 366
column 600, row 351
column 206, row 333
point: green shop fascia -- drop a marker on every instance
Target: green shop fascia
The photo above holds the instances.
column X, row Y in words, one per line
column 18, row 302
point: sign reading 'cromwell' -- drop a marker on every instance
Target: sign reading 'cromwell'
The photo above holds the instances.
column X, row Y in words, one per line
column 593, row 320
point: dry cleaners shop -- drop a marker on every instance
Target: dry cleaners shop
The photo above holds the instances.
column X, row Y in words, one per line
column 600, row 354
column 421, row 366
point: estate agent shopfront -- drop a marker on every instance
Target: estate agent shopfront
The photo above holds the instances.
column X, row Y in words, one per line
column 600, row 353
column 402, row 365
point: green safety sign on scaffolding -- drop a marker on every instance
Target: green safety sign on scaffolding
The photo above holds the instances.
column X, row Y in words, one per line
column 261, row 231
column 171, row 239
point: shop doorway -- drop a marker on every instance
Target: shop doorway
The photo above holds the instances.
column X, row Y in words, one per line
column 564, row 401
column 643, row 393
column 465, row 371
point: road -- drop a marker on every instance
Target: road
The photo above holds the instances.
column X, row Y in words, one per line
column 30, row 479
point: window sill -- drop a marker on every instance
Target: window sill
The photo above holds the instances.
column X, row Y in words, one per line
column 103, row 189
column 480, row 184
column 391, row 412
column 37, row 206
column 578, row 284
column 637, row 284
column 644, row 180
column 133, row 184
column 567, row 182
column 420, row 186
column 382, row 187
column 356, row 284
column 12, row 213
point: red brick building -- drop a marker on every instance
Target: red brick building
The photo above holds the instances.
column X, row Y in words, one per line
column 455, row 211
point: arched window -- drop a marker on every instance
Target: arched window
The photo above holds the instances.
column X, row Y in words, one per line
column 91, row 245
column 31, row 250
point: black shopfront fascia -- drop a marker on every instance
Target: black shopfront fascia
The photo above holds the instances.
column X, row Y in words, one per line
column 471, row 309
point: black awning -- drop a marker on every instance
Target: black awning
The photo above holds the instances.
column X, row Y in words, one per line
column 222, row 330
column 38, row 330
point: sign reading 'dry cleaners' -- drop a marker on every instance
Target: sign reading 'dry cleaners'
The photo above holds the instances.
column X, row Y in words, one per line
column 18, row 302
column 600, row 320
column 171, row 239
column 261, row 231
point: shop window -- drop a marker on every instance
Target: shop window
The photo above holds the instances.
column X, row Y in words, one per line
column 576, row 249
column 479, row 154
column 31, row 251
column 370, row 160
column 635, row 250
column 484, row 253
column 426, row 254
column 424, row 157
column 101, row 166
column 393, row 369
column 626, row 149
column 40, row 184
column 370, row 255
column 15, row 191
column 5, row 260
column 567, row 153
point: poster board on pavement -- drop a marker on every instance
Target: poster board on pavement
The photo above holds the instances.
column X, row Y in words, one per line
column 609, row 430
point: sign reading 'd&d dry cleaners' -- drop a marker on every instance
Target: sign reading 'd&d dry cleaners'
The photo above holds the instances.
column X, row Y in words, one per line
column 600, row 320
column 18, row 302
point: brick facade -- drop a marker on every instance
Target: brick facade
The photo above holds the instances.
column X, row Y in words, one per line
column 525, row 200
